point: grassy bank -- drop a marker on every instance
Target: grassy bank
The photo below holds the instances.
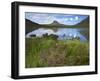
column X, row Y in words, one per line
column 47, row 52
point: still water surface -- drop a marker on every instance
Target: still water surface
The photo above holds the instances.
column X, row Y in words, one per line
column 62, row 33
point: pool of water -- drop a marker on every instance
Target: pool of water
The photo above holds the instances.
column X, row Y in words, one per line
column 62, row 33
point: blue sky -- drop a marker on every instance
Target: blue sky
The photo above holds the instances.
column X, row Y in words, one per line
column 47, row 18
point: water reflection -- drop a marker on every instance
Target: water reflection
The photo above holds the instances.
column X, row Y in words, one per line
column 62, row 33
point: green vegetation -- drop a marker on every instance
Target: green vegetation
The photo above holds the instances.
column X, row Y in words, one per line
column 47, row 51
column 50, row 52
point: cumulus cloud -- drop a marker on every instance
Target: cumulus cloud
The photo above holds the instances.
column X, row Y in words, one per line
column 47, row 18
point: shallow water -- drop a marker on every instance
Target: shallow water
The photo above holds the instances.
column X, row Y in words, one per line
column 62, row 33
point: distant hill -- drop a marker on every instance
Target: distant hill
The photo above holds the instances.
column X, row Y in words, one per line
column 84, row 23
column 30, row 26
column 56, row 23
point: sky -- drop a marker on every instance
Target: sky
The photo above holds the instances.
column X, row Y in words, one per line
column 47, row 18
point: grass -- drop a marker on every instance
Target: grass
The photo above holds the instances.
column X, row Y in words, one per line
column 47, row 52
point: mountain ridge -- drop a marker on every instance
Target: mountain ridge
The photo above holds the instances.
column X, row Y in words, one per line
column 30, row 25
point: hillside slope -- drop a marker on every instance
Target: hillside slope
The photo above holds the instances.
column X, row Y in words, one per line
column 30, row 26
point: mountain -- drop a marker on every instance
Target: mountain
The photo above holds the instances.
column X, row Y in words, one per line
column 56, row 23
column 30, row 25
column 84, row 23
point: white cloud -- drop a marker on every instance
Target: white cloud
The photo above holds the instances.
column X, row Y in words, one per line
column 71, row 19
column 47, row 18
column 76, row 18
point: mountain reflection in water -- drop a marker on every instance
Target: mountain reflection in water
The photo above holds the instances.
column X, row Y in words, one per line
column 62, row 33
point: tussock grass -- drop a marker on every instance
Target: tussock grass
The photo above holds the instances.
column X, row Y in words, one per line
column 47, row 52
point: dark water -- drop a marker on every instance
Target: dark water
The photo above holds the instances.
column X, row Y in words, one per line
column 62, row 33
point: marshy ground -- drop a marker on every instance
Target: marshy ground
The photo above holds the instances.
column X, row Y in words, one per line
column 49, row 52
